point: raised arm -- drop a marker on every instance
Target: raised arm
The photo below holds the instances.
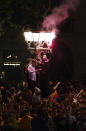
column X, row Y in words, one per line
column 55, row 87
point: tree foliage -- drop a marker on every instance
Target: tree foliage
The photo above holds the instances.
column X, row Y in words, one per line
column 15, row 14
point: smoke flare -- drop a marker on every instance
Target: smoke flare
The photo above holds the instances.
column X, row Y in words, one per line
column 58, row 15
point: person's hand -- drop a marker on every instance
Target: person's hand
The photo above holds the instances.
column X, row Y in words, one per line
column 57, row 85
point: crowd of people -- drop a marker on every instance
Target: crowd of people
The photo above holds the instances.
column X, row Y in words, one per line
column 23, row 107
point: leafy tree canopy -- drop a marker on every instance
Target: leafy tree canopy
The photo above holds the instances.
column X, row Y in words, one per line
column 16, row 14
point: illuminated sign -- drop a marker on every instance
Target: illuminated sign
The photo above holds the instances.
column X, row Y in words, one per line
column 39, row 37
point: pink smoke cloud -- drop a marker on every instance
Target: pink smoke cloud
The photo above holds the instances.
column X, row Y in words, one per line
column 59, row 14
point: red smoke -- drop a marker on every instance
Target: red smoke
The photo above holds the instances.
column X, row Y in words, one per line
column 59, row 14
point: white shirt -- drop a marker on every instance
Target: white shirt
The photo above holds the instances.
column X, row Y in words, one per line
column 32, row 72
